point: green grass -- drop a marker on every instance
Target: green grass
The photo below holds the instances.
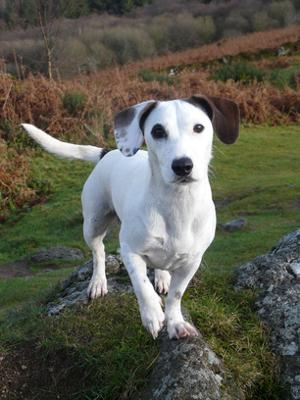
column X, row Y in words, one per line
column 147, row 75
column 100, row 351
column 243, row 72
column 56, row 222
column 17, row 291
column 246, row 72
column 257, row 179
column 282, row 77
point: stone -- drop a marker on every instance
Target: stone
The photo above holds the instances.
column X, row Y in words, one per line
column 74, row 289
column 113, row 263
column 188, row 369
column 185, row 369
column 295, row 267
column 55, row 254
column 276, row 276
column 234, row 225
column 48, row 257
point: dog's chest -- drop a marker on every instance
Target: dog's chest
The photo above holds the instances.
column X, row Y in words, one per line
column 169, row 244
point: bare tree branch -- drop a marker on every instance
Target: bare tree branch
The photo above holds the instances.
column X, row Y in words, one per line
column 46, row 20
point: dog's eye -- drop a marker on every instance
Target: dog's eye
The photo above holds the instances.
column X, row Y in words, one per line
column 198, row 128
column 158, row 132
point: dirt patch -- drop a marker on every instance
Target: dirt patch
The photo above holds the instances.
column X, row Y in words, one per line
column 27, row 374
column 48, row 259
column 24, row 268
column 12, row 270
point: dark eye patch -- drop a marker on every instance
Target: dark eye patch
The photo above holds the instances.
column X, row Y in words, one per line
column 198, row 128
column 158, row 132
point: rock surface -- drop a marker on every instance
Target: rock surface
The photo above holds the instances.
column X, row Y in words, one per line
column 55, row 254
column 49, row 257
column 188, row 369
column 276, row 275
column 234, row 225
column 74, row 289
column 185, row 369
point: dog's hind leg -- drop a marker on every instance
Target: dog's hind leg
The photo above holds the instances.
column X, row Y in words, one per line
column 162, row 281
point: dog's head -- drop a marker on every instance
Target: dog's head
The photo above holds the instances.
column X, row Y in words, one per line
column 178, row 133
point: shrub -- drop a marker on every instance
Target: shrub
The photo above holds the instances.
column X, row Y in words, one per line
column 231, row 33
column 282, row 11
column 206, row 28
column 72, row 56
column 237, row 22
column 128, row 44
column 30, row 55
column 99, row 55
column 262, row 21
column 74, row 9
column 182, row 33
column 297, row 4
column 238, row 72
column 283, row 77
column 148, row 76
column 74, row 102
column 14, row 138
column 157, row 30
column 14, row 190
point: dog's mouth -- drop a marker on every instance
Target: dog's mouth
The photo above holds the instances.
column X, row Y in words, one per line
column 184, row 180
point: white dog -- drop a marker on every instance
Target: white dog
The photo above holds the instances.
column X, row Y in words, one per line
column 162, row 198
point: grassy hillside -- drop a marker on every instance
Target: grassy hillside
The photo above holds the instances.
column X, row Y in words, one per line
column 101, row 351
column 256, row 179
column 94, row 42
column 248, row 70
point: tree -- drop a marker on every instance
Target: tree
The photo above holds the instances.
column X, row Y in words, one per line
column 76, row 8
column 116, row 6
column 45, row 12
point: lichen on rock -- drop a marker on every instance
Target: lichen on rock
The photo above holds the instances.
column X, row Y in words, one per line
column 185, row 369
column 278, row 304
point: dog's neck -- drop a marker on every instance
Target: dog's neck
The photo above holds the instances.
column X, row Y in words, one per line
column 182, row 207
column 172, row 195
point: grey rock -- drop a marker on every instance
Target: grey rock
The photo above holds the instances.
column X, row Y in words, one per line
column 185, row 369
column 295, row 267
column 113, row 263
column 219, row 203
column 276, row 276
column 234, row 225
column 74, row 289
column 55, row 254
column 282, row 51
column 48, row 257
column 188, row 369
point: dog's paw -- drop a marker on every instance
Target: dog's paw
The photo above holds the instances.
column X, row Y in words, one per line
column 97, row 287
column 181, row 329
column 162, row 281
column 153, row 318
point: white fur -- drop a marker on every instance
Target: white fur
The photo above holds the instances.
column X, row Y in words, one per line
column 63, row 149
column 165, row 224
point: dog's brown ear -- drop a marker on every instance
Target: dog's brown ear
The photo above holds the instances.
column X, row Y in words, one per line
column 129, row 127
column 224, row 114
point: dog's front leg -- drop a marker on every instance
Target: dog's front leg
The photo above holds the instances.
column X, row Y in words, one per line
column 149, row 301
column 176, row 325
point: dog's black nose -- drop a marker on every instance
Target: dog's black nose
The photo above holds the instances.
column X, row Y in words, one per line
column 182, row 166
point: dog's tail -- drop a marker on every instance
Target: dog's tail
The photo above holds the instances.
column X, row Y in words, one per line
column 63, row 149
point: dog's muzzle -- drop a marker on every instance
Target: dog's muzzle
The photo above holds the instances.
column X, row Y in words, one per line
column 182, row 167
